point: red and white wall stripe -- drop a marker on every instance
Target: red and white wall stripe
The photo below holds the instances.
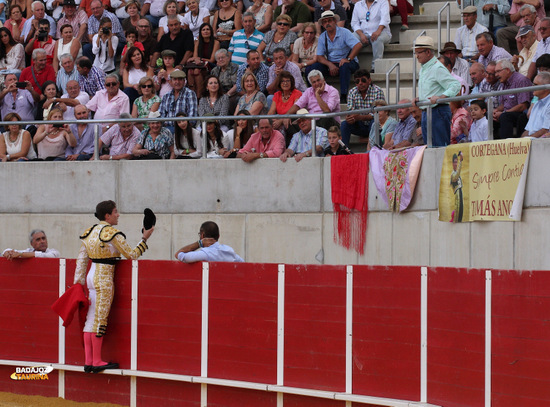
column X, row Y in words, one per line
column 221, row 334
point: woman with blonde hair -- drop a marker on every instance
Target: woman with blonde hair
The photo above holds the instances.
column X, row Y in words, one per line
column 304, row 52
column 147, row 102
column 52, row 139
column 253, row 100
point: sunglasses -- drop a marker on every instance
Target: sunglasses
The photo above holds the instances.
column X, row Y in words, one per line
column 110, row 84
column 359, row 80
column 281, row 23
column 146, row 86
column 247, row 45
column 368, row 16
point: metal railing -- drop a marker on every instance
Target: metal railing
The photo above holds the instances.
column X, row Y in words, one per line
column 314, row 116
column 397, row 68
column 414, row 64
column 448, row 7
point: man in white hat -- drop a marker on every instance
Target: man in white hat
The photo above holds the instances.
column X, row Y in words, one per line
column 465, row 37
column 435, row 82
column 490, row 13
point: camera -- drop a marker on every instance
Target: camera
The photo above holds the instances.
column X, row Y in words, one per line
column 42, row 35
column 21, row 85
column 57, row 125
column 105, row 30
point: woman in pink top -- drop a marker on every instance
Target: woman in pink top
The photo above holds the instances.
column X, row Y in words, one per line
column 15, row 22
column 52, row 140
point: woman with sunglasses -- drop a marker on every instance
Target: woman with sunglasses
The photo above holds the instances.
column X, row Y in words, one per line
column 304, row 52
column 263, row 15
column 147, row 102
column 135, row 68
column 227, row 20
column 203, row 56
column 195, row 17
column 214, row 101
column 281, row 37
column 12, row 54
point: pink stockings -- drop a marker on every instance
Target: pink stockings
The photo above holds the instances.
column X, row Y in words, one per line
column 92, row 349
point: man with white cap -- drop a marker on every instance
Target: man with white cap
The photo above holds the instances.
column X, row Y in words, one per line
column 337, row 52
column 465, row 37
column 435, row 82
column 528, row 39
column 490, row 13
column 300, row 145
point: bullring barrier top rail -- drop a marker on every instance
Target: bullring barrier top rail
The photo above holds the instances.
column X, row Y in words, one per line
column 314, row 116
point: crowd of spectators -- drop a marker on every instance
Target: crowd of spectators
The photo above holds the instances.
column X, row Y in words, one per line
column 73, row 60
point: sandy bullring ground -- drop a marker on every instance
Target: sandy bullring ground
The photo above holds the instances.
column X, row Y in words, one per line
column 19, row 400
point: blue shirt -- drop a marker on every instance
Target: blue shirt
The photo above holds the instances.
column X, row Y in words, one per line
column 262, row 76
column 302, row 142
column 240, row 45
column 85, row 143
column 540, row 116
column 216, row 252
column 338, row 49
column 186, row 103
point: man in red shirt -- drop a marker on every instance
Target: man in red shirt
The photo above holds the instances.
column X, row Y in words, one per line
column 267, row 143
column 39, row 72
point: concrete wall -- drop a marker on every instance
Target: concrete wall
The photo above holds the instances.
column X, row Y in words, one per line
column 268, row 211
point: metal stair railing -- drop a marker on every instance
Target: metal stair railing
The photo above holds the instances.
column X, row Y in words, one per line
column 396, row 67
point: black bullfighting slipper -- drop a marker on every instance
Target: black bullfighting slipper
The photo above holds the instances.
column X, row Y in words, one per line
column 88, row 368
column 149, row 219
column 110, row 365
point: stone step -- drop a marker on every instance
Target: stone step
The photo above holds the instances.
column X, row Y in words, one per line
column 408, row 37
column 432, row 8
column 405, row 65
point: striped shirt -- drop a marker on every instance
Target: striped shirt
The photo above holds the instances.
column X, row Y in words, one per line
column 240, row 45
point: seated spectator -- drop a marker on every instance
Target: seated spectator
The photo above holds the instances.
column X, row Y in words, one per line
column 531, row 16
column 67, row 44
column 179, row 100
column 239, row 135
column 253, row 99
column 147, row 102
column 255, row 66
column 446, row 62
column 226, row 72
column 304, row 52
column 67, row 72
column 543, row 63
column 337, row 53
column 528, row 40
column 110, row 102
column 84, row 135
column 12, row 54
column 31, row 25
column 386, row 125
column 403, row 8
column 283, row 100
column 539, row 116
column 132, row 9
column 362, row 96
column 263, row 15
column 153, row 10
column 519, row 13
column 477, row 75
column 214, row 101
column 203, row 57
column 162, row 78
column 71, row 99
column 135, row 68
column 120, row 139
column 52, row 139
column 16, row 22
column 194, row 18
column 266, row 143
column 187, row 140
column 48, row 100
column 16, row 143
column 226, row 21
column 337, row 10
column 334, row 147
column 78, row 20
column 280, row 64
column 465, row 37
column 86, row 6
column 217, row 142
column 94, row 23
column 244, row 40
column 15, row 100
column 301, row 143
column 298, row 13
column 155, row 143
column 405, row 132
column 543, row 47
column 509, row 113
column 460, row 122
column 459, row 66
column 90, row 79
column 319, row 98
column 39, row 248
column 178, row 40
column 280, row 37
column 131, row 41
column 104, row 45
column 372, row 26
column 43, row 40
column 479, row 130
column 488, row 51
column 485, row 80
column 490, row 13
column 150, row 44
column 171, row 9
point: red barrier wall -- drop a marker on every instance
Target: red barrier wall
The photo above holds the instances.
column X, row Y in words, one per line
column 243, row 330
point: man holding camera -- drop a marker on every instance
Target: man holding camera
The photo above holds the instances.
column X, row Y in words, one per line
column 31, row 25
column 18, row 97
column 42, row 40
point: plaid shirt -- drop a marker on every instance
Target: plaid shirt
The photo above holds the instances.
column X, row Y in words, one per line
column 95, row 81
column 93, row 25
column 356, row 101
column 262, row 76
column 186, row 103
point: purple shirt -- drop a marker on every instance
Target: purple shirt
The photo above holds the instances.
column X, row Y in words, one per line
column 496, row 54
column 330, row 96
column 405, row 130
column 118, row 144
column 516, row 80
column 84, row 143
column 23, row 104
